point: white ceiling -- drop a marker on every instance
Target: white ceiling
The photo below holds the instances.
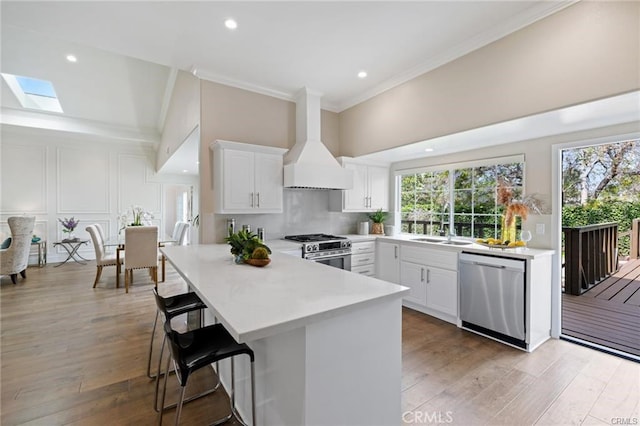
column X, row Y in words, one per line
column 129, row 53
column 280, row 47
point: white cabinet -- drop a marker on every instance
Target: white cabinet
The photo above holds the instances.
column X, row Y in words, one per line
column 388, row 261
column 370, row 190
column 413, row 275
column 363, row 258
column 432, row 276
column 442, row 290
column 247, row 178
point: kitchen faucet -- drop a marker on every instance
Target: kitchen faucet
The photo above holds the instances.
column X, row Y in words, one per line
column 442, row 215
column 451, row 234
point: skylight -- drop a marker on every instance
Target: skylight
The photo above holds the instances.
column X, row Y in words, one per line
column 33, row 93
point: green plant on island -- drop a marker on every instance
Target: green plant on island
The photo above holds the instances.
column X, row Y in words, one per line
column 247, row 245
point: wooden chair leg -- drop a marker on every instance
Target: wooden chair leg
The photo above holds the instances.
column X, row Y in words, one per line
column 14, row 278
column 126, row 281
column 164, row 259
column 155, row 276
column 23, row 274
column 98, row 273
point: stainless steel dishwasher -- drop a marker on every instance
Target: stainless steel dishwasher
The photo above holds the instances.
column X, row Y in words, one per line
column 492, row 297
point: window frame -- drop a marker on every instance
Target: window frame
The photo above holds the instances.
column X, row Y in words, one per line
column 451, row 168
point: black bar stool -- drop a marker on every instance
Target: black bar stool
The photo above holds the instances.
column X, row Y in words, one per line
column 171, row 307
column 199, row 348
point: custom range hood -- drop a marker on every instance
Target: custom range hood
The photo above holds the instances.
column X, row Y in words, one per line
column 309, row 164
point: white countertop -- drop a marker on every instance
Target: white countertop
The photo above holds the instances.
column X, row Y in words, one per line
column 518, row 252
column 254, row 303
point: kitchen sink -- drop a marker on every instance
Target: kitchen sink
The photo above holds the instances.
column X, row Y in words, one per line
column 428, row 240
column 457, row 242
column 441, row 241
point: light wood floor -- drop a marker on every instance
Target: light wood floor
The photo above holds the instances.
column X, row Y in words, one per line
column 75, row 355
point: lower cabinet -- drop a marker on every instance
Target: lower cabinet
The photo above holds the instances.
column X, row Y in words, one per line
column 442, row 290
column 433, row 289
column 363, row 258
column 412, row 275
column 388, row 261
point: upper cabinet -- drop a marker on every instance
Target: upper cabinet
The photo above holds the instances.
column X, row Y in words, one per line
column 247, row 178
column 370, row 188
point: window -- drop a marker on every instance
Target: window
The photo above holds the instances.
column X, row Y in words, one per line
column 33, row 93
column 461, row 197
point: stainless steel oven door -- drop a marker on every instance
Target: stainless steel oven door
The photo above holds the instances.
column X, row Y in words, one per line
column 340, row 261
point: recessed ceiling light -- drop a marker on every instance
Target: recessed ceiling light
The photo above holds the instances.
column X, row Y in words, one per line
column 72, row 58
column 428, row 150
column 185, row 171
column 362, row 74
column 231, row 23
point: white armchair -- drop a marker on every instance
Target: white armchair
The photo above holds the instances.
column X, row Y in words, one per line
column 15, row 258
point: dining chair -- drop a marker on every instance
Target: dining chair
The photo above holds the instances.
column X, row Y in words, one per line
column 141, row 252
column 15, row 259
column 180, row 232
column 102, row 258
column 100, row 230
column 178, row 238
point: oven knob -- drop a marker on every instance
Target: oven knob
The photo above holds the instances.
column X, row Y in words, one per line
column 316, row 247
column 347, row 244
column 308, row 248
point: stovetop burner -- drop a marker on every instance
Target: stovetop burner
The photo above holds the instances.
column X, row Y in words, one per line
column 306, row 238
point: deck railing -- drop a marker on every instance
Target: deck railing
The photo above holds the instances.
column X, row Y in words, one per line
column 591, row 255
column 635, row 239
column 461, row 228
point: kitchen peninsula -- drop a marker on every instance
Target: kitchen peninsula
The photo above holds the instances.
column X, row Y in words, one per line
column 327, row 341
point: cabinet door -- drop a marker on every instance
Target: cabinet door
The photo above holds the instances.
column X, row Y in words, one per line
column 442, row 290
column 355, row 199
column 413, row 276
column 268, row 182
column 378, row 188
column 388, row 262
column 238, row 179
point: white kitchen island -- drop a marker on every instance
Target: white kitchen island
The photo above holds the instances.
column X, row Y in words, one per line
column 327, row 342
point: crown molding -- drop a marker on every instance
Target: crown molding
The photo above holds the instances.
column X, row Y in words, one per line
column 262, row 90
column 244, row 85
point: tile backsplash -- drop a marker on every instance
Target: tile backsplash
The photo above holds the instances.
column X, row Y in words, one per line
column 305, row 212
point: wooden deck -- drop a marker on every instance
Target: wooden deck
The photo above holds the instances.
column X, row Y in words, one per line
column 609, row 313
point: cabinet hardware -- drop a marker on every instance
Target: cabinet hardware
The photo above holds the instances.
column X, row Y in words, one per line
column 395, row 252
column 258, row 200
column 428, row 276
column 252, row 199
column 421, row 274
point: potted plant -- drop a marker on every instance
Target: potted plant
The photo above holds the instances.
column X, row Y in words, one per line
column 378, row 217
column 247, row 247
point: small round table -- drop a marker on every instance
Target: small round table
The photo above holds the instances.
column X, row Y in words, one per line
column 72, row 246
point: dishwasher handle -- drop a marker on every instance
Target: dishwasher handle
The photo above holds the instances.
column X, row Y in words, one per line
column 489, row 265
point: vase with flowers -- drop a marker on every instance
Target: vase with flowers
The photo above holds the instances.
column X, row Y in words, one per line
column 136, row 216
column 68, row 226
column 511, row 209
column 514, row 207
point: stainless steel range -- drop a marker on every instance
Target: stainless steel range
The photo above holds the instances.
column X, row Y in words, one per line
column 328, row 249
